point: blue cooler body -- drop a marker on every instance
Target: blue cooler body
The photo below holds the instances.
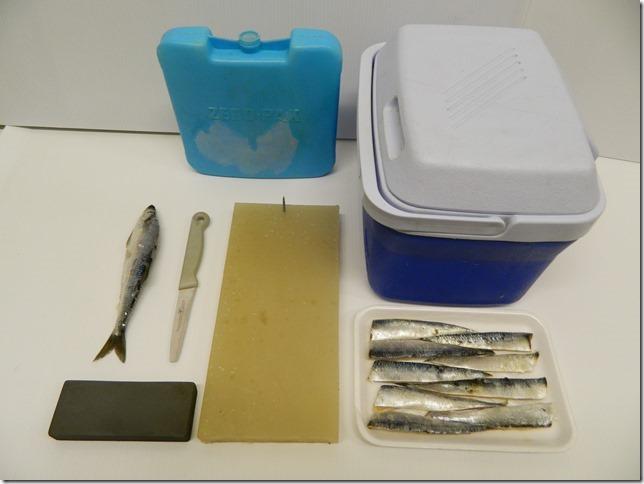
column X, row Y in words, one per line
column 459, row 272
column 475, row 167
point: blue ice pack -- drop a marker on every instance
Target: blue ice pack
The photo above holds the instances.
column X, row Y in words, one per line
column 256, row 109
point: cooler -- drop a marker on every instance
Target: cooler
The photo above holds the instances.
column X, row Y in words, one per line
column 475, row 166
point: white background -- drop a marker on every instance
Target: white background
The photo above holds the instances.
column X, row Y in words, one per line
column 91, row 63
column 597, row 46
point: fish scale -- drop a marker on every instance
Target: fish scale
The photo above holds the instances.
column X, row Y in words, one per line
column 408, row 422
column 385, row 329
column 419, row 349
column 530, row 415
column 408, row 371
column 496, row 340
column 508, row 363
column 512, row 388
column 391, row 396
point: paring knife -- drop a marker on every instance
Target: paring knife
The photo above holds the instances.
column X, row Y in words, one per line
column 188, row 282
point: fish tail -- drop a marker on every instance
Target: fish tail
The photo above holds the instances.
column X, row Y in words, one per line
column 115, row 342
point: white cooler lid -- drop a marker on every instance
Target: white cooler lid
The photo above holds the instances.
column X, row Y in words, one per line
column 386, row 208
column 479, row 120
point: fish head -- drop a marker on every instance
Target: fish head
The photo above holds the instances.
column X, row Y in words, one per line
column 149, row 213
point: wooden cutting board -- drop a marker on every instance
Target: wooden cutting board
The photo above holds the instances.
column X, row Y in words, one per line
column 273, row 371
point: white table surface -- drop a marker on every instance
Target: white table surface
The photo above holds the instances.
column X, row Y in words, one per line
column 68, row 201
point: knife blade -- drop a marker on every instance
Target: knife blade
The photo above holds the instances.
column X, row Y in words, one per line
column 188, row 282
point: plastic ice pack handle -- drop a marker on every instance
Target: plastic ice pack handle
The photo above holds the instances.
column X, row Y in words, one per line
column 194, row 249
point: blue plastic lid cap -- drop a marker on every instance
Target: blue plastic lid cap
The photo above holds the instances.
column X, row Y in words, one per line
column 249, row 41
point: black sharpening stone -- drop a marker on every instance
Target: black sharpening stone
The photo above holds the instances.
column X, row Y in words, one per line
column 124, row 410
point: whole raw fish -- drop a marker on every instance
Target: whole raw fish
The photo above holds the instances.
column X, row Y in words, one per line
column 508, row 363
column 510, row 388
column 396, row 397
column 418, row 349
column 411, row 329
column 505, row 417
column 413, row 372
column 139, row 253
column 497, row 340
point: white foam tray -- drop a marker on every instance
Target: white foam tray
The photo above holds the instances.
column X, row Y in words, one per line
column 557, row 438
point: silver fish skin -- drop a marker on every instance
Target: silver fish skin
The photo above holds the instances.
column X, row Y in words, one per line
column 382, row 329
column 418, row 349
column 530, row 415
column 508, row 363
column 388, row 371
column 410, row 422
column 496, row 340
column 396, row 397
column 140, row 249
column 508, row 388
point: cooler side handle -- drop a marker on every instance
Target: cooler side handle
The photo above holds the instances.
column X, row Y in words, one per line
column 392, row 128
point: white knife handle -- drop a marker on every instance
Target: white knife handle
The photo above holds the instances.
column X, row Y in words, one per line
column 194, row 249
